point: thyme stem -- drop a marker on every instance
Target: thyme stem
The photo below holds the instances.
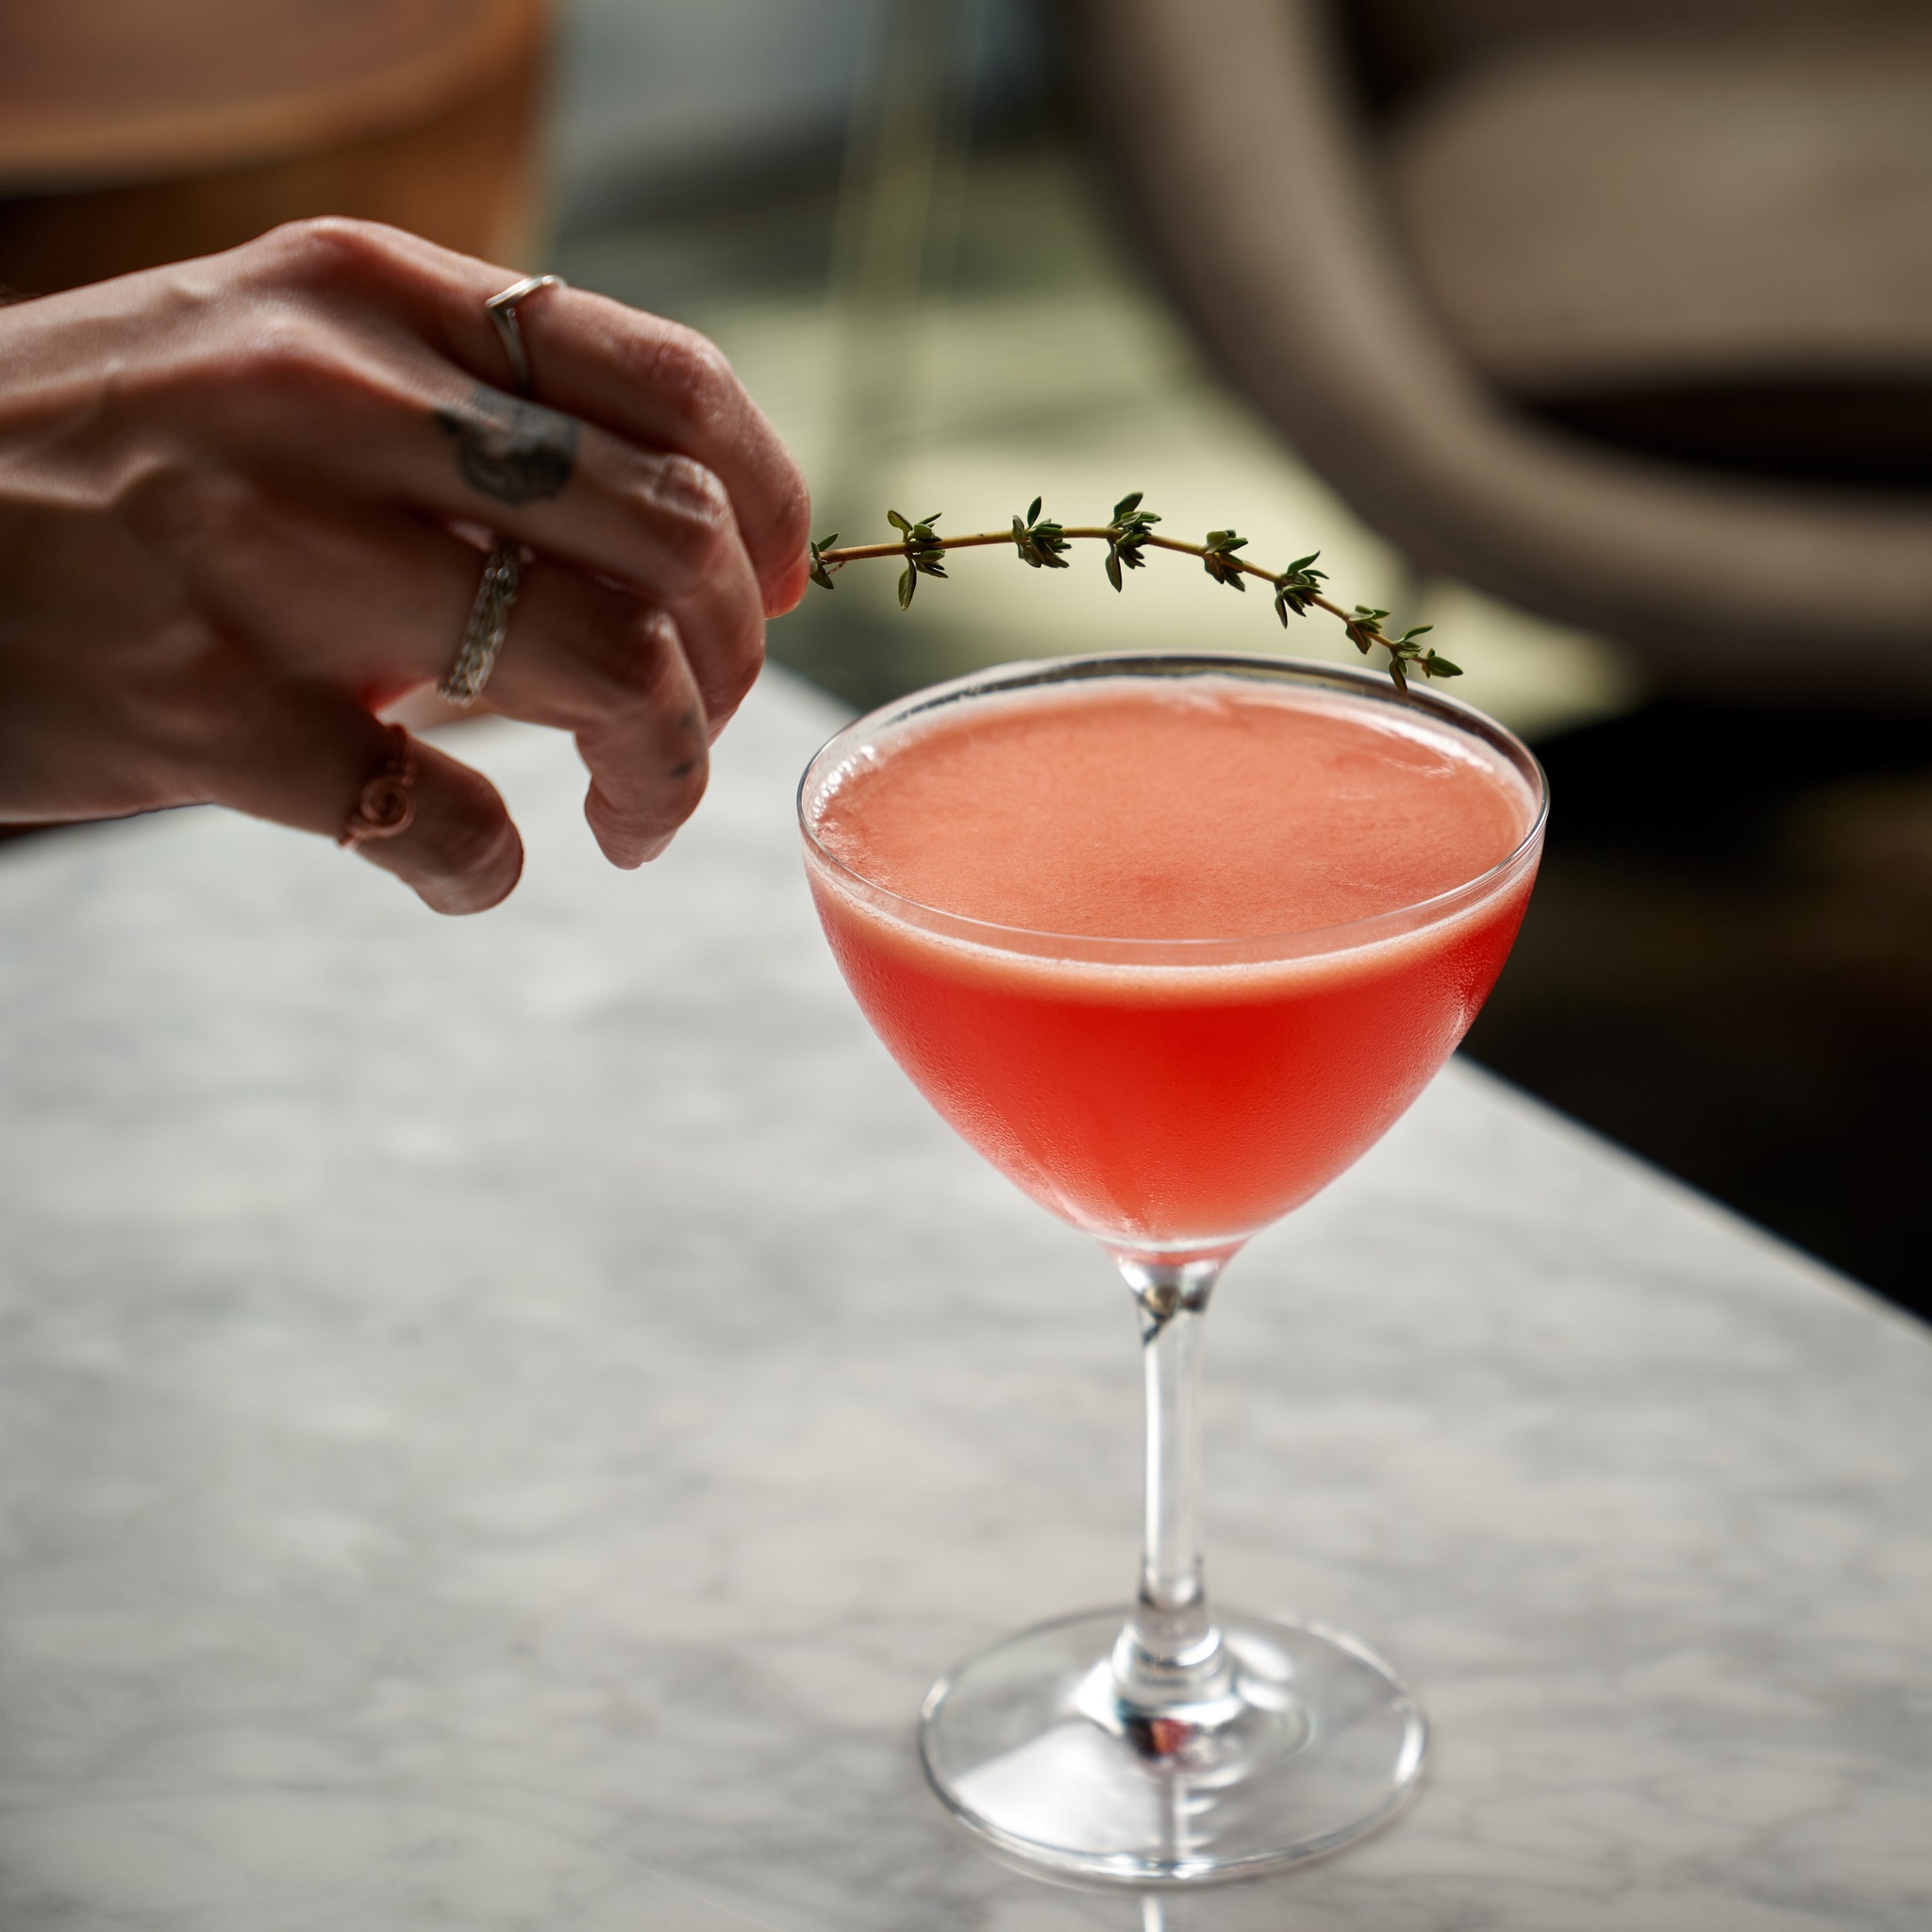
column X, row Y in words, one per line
column 922, row 550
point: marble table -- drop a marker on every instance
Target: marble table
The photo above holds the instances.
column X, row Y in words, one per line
column 501, row 1420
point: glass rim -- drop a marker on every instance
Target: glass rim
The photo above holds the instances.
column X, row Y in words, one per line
column 1352, row 680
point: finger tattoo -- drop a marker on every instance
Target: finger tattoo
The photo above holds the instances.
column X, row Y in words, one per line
column 515, row 451
column 692, row 726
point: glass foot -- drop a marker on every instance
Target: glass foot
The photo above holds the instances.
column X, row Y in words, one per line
column 1308, row 1742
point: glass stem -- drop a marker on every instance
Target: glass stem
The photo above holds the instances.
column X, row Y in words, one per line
column 1170, row 1652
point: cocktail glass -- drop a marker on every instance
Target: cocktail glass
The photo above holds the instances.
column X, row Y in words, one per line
column 1172, row 1096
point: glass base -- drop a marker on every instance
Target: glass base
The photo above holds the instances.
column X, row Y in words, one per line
column 1308, row 1742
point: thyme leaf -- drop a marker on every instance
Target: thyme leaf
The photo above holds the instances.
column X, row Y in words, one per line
column 1127, row 535
column 1040, row 542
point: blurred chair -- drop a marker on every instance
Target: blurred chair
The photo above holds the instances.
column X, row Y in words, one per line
column 139, row 131
column 1620, row 309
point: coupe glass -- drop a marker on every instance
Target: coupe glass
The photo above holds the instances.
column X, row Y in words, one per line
column 1166, row 1742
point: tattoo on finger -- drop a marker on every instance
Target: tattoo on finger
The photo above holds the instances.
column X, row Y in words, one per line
column 692, row 728
column 515, row 451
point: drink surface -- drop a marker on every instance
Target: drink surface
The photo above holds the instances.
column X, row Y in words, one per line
column 1136, row 809
column 1160, row 1097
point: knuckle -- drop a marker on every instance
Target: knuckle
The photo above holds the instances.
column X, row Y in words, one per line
column 329, row 249
column 634, row 676
column 191, row 511
column 636, row 666
column 691, row 506
column 689, row 377
column 642, row 676
column 203, row 735
column 687, row 489
column 285, row 350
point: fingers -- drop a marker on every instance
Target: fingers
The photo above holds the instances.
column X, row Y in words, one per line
column 369, row 413
column 409, row 435
column 582, row 654
column 359, row 378
column 610, row 670
column 646, row 382
column 657, row 523
column 302, row 760
column 657, row 384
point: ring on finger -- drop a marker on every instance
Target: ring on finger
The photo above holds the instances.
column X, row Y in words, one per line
column 387, row 805
column 488, row 625
column 502, row 311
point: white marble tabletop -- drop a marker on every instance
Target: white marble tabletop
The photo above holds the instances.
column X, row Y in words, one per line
column 501, row 1420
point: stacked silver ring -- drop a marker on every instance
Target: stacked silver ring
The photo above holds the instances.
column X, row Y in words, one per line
column 488, row 625
column 503, row 574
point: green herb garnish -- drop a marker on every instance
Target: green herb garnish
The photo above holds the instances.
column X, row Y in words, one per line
column 1041, row 544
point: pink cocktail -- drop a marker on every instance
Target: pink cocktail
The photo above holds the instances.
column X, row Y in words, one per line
column 1172, row 941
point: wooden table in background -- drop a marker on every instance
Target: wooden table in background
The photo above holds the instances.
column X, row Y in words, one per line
column 134, row 132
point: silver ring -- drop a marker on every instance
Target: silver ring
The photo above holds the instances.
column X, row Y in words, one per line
column 488, row 625
column 502, row 311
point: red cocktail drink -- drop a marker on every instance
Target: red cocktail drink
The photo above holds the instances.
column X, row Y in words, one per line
column 1281, row 869
column 1172, row 940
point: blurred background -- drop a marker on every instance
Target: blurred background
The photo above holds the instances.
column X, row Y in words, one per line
column 1597, row 333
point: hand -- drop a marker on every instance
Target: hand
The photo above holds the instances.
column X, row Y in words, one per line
column 241, row 505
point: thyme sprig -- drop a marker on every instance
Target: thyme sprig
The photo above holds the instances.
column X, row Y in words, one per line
column 1129, row 534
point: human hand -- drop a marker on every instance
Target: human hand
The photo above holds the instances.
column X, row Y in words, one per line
column 241, row 500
